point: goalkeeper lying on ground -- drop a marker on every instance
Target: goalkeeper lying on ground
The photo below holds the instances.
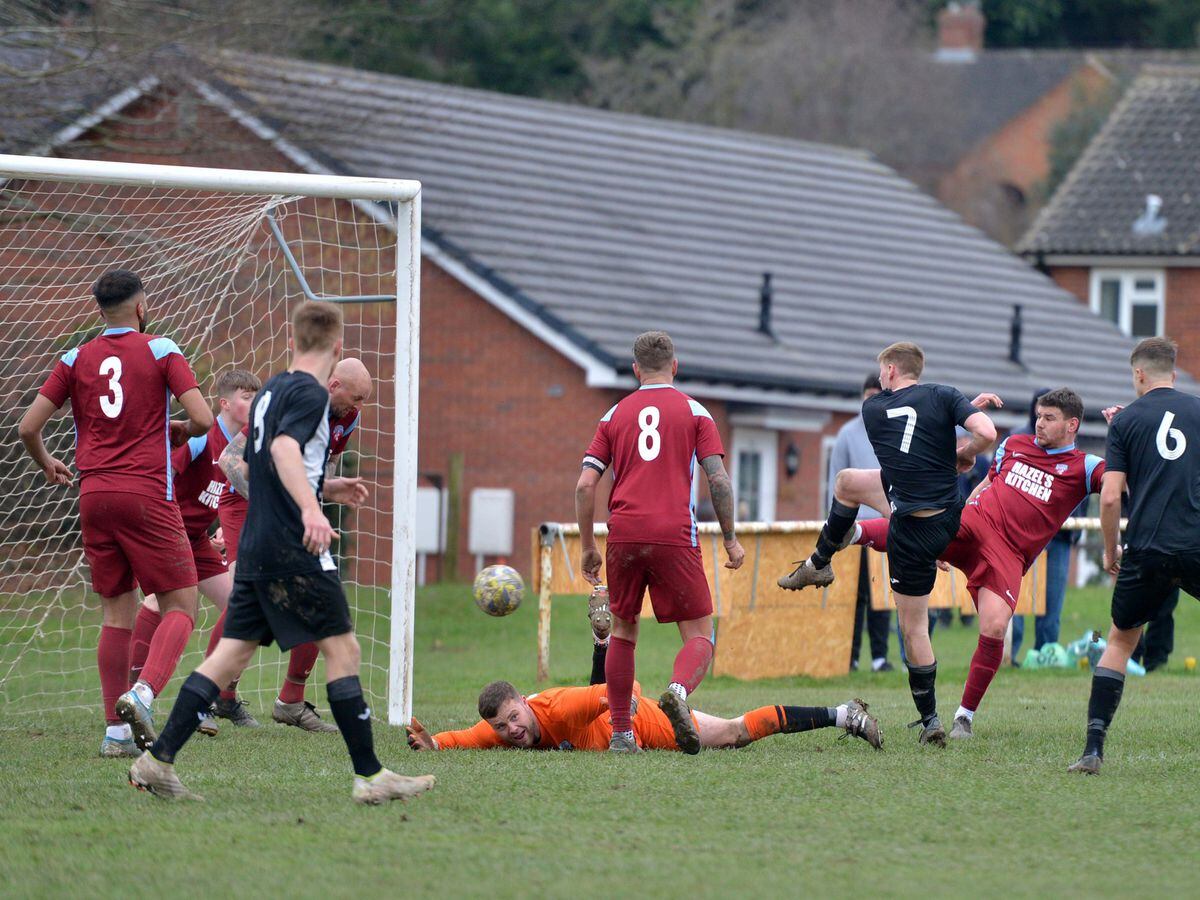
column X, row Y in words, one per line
column 576, row 718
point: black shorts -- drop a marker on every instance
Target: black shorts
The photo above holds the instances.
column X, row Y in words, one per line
column 915, row 543
column 1146, row 580
column 291, row 610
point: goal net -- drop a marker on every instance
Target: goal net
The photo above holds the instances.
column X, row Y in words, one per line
column 225, row 257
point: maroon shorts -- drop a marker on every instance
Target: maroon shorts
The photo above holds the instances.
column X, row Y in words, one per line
column 675, row 575
column 133, row 541
column 232, row 520
column 986, row 560
column 209, row 561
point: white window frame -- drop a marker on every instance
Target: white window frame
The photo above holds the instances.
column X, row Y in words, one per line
column 1127, row 279
column 765, row 442
column 827, row 442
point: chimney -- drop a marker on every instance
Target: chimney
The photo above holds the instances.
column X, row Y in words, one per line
column 960, row 32
column 1014, row 341
column 764, row 306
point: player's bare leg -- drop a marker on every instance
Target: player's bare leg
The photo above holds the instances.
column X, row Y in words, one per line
column 994, row 616
column 155, row 769
column 167, row 646
column 1108, row 683
column 852, row 488
column 912, row 613
column 851, row 717
column 112, row 656
column 373, row 784
column 618, row 674
column 691, row 664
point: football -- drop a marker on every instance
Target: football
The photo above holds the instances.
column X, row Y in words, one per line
column 498, row 590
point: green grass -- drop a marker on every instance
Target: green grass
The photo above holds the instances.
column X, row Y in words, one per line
column 791, row 815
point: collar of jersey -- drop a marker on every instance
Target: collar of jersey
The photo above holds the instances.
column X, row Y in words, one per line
column 650, row 387
column 220, row 421
column 108, row 331
column 1065, row 449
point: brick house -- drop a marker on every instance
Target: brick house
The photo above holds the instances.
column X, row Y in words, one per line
column 1123, row 232
column 554, row 234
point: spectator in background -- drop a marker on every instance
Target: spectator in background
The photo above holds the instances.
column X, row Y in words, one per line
column 1058, row 562
column 852, row 450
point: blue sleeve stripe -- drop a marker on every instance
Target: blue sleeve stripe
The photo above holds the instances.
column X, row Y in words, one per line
column 352, row 425
column 196, row 445
column 1000, row 454
column 1089, row 466
column 70, row 355
column 698, row 409
column 608, row 415
column 162, row 346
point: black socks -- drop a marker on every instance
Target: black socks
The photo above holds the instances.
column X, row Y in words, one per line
column 353, row 718
column 838, row 524
column 920, row 681
column 805, row 718
column 599, row 654
column 196, row 695
column 1107, row 687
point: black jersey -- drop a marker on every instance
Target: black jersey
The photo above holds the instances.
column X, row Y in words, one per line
column 1155, row 441
column 912, row 433
column 272, row 546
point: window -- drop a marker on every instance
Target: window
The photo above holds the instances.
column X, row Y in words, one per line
column 755, row 478
column 1131, row 300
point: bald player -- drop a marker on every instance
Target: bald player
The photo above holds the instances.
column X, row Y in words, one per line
column 349, row 387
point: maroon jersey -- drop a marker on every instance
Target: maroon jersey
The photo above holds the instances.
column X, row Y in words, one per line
column 120, row 386
column 199, row 481
column 1033, row 491
column 652, row 439
column 340, row 429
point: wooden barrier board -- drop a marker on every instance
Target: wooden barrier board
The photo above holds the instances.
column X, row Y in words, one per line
column 950, row 589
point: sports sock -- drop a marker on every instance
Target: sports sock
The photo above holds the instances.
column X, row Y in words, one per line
column 120, row 732
column 873, row 533
column 215, row 637
column 599, row 654
column 920, row 682
column 144, row 626
column 112, row 659
column 768, row 720
column 353, row 718
column 300, row 665
column 691, row 664
column 833, row 532
column 1107, row 687
column 196, row 695
column 166, row 648
column 618, row 674
column 984, row 665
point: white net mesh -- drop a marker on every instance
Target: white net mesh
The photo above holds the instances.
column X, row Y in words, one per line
column 218, row 284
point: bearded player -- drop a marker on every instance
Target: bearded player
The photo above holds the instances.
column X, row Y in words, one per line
column 1031, row 489
column 651, row 440
column 120, row 384
column 199, row 484
column 577, row 718
column 349, row 388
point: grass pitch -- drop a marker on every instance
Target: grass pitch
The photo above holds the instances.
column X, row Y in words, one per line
column 792, row 815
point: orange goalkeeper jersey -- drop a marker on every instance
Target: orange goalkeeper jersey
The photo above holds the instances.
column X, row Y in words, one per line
column 572, row 718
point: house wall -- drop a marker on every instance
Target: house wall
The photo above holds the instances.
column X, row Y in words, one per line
column 1017, row 156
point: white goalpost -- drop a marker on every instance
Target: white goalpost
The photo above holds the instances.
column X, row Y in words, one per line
column 225, row 256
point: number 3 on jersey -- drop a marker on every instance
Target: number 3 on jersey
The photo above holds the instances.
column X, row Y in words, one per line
column 909, row 427
column 111, row 406
column 649, row 441
column 1171, row 442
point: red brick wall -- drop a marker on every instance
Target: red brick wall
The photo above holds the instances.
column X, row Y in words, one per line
column 1183, row 315
column 1074, row 280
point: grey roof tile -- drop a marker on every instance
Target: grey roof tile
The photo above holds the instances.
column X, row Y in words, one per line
column 612, row 224
column 1147, row 146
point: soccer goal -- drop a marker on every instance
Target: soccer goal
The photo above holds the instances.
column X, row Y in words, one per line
column 225, row 256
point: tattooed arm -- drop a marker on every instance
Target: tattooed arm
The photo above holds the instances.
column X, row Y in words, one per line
column 721, row 492
column 234, row 466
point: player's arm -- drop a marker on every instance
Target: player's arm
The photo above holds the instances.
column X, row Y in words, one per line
column 233, row 464
column 720, row 490
column 289, row 466
column 1111, row 489
column 983, row 436
column 33, row 423
column 480, row 736
column 350, row 491
column 585, row 515
column 199, row 417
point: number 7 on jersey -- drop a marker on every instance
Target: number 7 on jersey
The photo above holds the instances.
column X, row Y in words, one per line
column 909, row 427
